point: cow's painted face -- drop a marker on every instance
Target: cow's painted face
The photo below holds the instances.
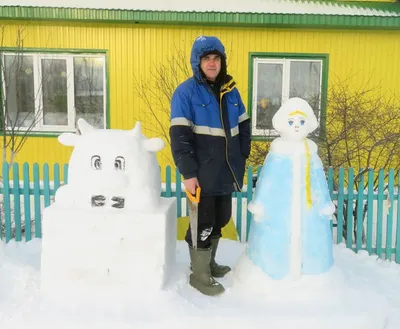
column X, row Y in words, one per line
column 108, row 163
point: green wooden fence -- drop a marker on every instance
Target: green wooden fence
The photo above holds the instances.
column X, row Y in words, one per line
column 366, row 219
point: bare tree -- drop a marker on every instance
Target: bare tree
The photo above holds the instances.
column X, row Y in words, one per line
column 156, row 93
column 362, row 128
column 362, row 133
column 19, row 115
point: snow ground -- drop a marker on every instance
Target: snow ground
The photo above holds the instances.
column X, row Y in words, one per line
column 367, row 296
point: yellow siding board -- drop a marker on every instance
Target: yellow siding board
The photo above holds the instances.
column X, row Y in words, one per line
column 134, row 50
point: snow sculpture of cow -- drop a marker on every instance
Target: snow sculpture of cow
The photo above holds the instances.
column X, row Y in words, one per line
column 109, row 227
column 111, row 169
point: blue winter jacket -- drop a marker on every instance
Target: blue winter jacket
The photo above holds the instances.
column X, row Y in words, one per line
column 210, row 139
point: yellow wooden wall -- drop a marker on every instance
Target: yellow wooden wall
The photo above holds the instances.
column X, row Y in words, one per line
column 135, row 49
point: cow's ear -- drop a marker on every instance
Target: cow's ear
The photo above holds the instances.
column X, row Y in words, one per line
column 68, row 139
column 153, row 144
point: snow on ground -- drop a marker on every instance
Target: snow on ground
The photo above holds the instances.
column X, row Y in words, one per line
column 180, row 306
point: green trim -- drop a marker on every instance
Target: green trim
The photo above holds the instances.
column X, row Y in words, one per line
column 324, row 96
column 53, row 50
column 1, row 94
column 207, row 18
column 250, row 97
column 324, row 85
column 60, row 51
column 52, row 134
column 108, row 113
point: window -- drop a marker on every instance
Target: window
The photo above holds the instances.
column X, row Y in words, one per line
column 276, row 78
column 50, row 92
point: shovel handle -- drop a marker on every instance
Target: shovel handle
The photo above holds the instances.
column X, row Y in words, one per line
column 194, row 197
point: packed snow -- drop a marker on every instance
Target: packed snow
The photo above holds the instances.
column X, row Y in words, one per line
column 180, row 306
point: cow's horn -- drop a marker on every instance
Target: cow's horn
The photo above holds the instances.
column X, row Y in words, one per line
column 84, row 127
column 137, row 130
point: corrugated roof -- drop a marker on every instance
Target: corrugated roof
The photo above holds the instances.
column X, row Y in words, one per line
column 320, row 7
column 325, row 14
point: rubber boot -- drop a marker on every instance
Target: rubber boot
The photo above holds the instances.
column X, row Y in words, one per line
column 217, row 271
column 201, row 278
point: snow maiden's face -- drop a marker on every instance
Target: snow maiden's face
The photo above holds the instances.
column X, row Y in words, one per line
column 294, row 120
column 296, row 126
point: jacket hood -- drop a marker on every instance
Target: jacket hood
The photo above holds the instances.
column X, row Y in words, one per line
column 205, row 45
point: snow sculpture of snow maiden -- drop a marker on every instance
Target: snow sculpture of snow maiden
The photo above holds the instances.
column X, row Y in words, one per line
column 109, row 225
column 290, row 234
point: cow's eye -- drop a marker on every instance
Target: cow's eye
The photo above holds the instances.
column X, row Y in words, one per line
column 119, row 163
column 96, row 162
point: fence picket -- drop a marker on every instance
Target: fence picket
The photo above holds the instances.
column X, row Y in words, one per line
column 370, row 209
column 349, row 214
column 17, row 203
column 168, row 189
column 239, row 215
column 397, row 257
column 178, row 190
column 330, row 188
column 380, row 213
column 6, row 201
column 360, row 211
column 389, row 225
column 56, row 170
column 36, row 200
column 249, row 195
column 65, row 173
column 27, row 202
column 46, row 185
column 340, row 206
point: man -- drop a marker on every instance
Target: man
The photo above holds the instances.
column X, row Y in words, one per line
column 210, row 142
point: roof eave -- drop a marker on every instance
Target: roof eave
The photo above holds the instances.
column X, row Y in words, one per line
column 199, row 18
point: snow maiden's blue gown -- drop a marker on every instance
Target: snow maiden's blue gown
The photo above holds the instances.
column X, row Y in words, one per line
column 269, row 243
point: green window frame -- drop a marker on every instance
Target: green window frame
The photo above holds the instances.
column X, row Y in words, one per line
column 276, row 77
column 47, row 91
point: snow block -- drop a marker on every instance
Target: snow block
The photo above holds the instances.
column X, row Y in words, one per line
column 130, row 251
column 1, row 251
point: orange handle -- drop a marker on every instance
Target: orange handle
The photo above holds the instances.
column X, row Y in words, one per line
column 194, row 197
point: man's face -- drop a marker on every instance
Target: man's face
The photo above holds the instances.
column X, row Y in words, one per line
column 211, row 66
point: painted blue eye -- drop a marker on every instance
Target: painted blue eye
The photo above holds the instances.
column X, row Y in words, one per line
column 291, row 122
column 302, row 122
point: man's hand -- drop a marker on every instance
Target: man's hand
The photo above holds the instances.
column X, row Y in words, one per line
column 191, row 184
